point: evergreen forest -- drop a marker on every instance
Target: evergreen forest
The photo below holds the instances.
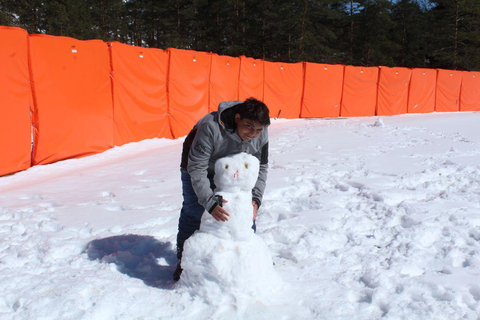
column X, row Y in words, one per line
column 401, row 33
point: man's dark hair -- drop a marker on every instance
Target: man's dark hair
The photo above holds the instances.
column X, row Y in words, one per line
column 255, row 110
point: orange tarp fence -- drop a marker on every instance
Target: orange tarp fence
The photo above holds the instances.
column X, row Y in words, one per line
column 251, row 79
column 448, row 91
column 283, row 89
column 323, row 90
column 224, row 77
column 359, row 91
column 393, row 91
column 470, row 93
column 139, row 78
column 72, row 90
column 75, row 98
column 15, row 101
column 421, row 97
column 189, row 76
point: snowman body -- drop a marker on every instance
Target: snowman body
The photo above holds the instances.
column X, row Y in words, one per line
column 229, row 256
column 235, row 177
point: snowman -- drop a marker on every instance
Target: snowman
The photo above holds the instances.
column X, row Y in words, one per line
column 228, row 257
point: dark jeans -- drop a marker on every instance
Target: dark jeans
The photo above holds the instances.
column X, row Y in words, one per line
column 191, row 213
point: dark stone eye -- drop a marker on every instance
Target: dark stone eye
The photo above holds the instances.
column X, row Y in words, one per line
column 226, row 166
column 246, row 165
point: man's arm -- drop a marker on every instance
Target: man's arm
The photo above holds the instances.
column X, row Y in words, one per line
column 257, row 192
column 198, row 160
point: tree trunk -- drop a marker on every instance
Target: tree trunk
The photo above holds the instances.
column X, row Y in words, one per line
column 457, row 19
column 102, row 21
column 302, row 36
column 289, row 47
column 243, row 27
column 35, row 19
column 404, row 41
column 263, row 36
column 351, row 31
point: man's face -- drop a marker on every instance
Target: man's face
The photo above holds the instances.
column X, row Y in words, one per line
column 247, row 129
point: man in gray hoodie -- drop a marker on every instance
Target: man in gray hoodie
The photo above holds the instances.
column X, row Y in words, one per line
column 236, row 127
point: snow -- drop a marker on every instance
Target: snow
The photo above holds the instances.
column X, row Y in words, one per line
column 364, row 218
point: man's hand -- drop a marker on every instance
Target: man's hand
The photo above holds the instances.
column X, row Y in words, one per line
column 220, row 214
column 255, row 209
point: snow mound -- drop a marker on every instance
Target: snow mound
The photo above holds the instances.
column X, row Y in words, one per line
column 226, row 259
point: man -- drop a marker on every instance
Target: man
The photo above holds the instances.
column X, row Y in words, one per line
column 236, row 127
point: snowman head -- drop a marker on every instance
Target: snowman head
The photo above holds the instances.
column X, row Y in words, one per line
column 239, row 170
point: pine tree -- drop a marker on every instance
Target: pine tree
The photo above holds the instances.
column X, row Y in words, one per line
column 443, row 40
column 319, row 25
column 277, row 30
column 374, row 44
column 108, row 19
column 253, row 26
column 26, row 14
column 468, row 57
column 346, row 41
column 410, row 33
column 456, row 40
column 6, row 17
column 57, row 20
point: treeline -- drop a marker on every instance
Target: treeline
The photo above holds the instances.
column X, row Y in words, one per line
column 408, row 33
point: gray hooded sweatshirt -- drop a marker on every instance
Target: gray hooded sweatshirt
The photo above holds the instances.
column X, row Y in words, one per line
column 214, row 141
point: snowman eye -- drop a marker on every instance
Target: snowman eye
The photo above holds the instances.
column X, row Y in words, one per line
column 246, row 165
column 226, row 166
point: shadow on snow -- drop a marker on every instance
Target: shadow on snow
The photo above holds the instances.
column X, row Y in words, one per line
column 141, row 257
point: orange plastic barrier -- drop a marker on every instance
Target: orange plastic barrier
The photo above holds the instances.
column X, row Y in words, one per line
column 224, row 77
column 15, row 101
column 139, row 93
column 188, row 89
column 359, row 91
column 470, row 93
column 82, row 97
column 72, row 89
column 448, row 91
column 323, row 90
column 421, row 97
column 283, row 89
column 393, row 91
column 251, row 79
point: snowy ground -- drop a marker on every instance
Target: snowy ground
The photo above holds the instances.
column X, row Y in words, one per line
column 364, row 217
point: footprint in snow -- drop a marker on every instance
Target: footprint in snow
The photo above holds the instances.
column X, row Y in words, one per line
column 356, row 185
column 475, row 292
column 33, row 197
column 117, row 208
column 108, row 194
column 135, row 188
column 408, row 222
